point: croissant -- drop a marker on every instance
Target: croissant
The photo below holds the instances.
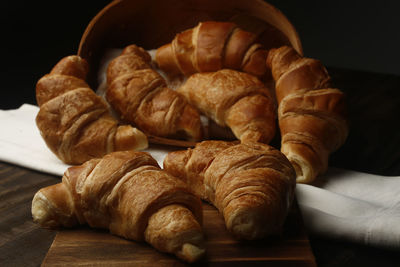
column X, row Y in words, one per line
column 234, row 99
column 251, row 184
column 127, row 193
column 140, row 96
column 312, row 116
column 211, row 46
column 75, row 123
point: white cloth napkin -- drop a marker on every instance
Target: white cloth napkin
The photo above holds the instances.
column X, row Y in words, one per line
column 21, row 143
column 345, row 205
column 353, row 206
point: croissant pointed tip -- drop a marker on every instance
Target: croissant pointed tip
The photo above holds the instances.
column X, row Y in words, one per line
column 191, row 253
column 39, row 211
column 52, row 207
column 246, row 225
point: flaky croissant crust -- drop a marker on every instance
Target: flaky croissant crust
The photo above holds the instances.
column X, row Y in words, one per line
column 140, row 96
column 251, row 184
column 127, row 193
column 312, row 115
column 211, row 46
column 75, row 123
column 236, row 100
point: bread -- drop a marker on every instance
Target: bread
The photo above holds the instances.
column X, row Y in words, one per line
column 211, row 46
column 127, row 193
column 236, row 100
column 311, row 114
column 75, row 123
column 251, row 184
column 267, row 35
column 141, row 97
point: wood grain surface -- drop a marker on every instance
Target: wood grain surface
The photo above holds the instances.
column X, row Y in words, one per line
column 22, row 242
column 88, row 247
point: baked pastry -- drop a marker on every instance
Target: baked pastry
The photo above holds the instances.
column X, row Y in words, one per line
column 127, row 193
column 75, row 123
column 236, row 100
column 140, row 96
column 211, row 46
column 267, row 35
column 312, row 115
column 251, row 184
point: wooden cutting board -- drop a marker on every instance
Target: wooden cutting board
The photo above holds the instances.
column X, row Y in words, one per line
column 88, row 247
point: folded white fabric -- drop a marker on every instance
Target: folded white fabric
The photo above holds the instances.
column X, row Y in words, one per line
column 345, row 205
column 21, row 143
column 353, row 206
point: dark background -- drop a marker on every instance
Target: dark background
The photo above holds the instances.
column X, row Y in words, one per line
column 345, row 34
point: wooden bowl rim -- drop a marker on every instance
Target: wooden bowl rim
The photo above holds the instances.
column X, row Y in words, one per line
column 103, row 12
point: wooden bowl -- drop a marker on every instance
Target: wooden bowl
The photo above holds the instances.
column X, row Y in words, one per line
column 151, row 24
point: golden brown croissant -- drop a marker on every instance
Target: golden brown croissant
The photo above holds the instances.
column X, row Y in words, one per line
column 311, row 114
column 75, row 123
column 140, row 96
column 251, row 184
column 268, row 35
column 234, row 99
column 127, row 193
column 211, row 46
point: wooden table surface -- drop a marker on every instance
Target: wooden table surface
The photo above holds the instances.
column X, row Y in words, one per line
column 373, row 146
